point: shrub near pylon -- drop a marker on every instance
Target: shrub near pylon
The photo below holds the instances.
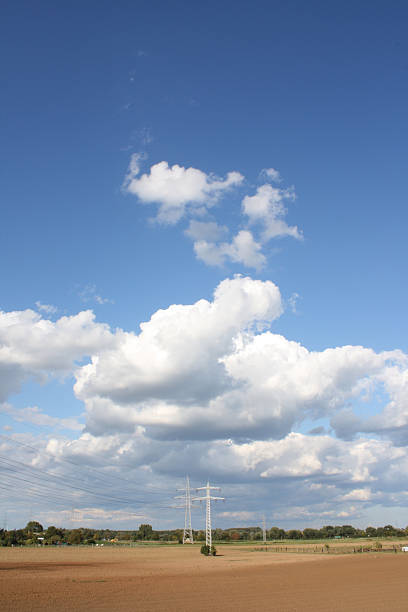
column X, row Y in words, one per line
column 207, row 551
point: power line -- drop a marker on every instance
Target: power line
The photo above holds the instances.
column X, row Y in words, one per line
column 42, row 478
column 101, row 474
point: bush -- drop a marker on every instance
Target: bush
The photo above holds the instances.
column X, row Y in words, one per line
column 207, row 551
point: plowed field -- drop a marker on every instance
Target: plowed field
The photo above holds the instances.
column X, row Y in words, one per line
column 177, row 579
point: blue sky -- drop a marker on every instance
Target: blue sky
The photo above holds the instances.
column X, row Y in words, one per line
column 316, row 91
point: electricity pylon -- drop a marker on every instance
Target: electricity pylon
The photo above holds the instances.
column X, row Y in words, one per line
column 188, row 532
column 263, row 529
column 208, row 498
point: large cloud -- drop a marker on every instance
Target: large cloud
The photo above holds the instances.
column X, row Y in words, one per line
column 300, row 478
column 208, row 371
column 208, row 388
column 31, row 346
column 389, row 389
column 176, row 357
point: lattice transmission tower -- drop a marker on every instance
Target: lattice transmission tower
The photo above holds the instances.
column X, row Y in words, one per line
column 208, row 498
column 188, row 532
column 264, row 529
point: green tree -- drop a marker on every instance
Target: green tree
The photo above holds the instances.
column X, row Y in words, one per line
column 145, row 532
column 371, row 532
column 218, row 534
column 311, row 534
column 33, row 527
column 328, row 531
column 54, row 534
column 55, row 539
column 389, row 530
column 347, row 531
column 255, row 534
column 30, row 541
column 75, row 536
column 294, row 534
column 15, row 537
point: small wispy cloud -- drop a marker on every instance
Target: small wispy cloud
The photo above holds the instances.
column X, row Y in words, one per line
column 241, row 515
column 205, row 230
column 91, row 517
column 90, row 294
column 47, row 308
column 144, row 135
column 127, row 106
column 271, row 174
column 33, row 414
column 292, row 301
column 193, row 102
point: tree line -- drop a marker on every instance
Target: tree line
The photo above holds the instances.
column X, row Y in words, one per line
column 35, row 534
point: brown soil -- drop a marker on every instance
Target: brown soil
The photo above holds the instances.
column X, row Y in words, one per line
column 177, row 579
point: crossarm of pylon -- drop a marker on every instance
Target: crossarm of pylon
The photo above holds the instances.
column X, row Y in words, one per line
column 205, row 498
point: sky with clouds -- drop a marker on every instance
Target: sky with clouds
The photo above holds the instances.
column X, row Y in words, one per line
column 203, row 254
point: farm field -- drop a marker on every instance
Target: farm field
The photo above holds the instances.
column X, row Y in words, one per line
column 178, row 578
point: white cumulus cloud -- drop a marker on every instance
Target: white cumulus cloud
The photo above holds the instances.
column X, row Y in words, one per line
column 267, row 207
column 209, row 385
column 176, row 357
column 242, row 249
column 211, row 371
column 180, row 192
column 33, row 347
column 172, row 188
column 272, row 174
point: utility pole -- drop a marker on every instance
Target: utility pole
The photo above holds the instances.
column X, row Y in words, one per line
column 208, row 498
column 188, row 532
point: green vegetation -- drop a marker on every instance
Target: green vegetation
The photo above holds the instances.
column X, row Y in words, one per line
column 34, row 534
column 208, row 551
